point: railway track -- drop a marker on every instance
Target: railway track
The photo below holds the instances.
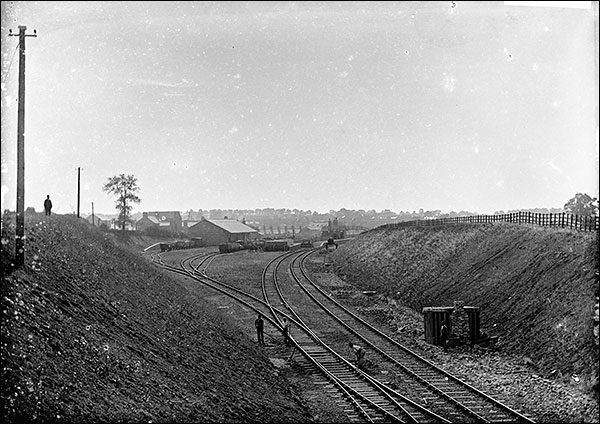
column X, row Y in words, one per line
column 365, row 398
column 421, row 380
column 375, row 400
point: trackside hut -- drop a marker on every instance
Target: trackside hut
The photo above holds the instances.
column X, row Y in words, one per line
column 218, row 231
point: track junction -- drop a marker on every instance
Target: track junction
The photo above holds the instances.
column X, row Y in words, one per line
column 421, row 391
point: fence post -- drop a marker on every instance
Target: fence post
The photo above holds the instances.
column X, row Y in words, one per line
column 562, row 221
column 576, row 221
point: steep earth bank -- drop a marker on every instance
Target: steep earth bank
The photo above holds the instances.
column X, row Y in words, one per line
column 92, row 332
column 535, row 286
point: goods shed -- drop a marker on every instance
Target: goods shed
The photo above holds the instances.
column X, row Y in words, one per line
column 219, row 231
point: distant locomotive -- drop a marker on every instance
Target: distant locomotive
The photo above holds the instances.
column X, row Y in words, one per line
column 330, row 245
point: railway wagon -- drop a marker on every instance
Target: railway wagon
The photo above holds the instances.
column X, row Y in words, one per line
column 276, row 246
column 197, row 242
column 306, row 243
column 230, row 247
column 182, row 244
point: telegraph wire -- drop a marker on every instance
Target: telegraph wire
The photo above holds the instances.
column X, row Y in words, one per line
column 10, row 64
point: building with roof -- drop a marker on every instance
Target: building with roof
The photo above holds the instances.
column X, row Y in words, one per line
column 98, row 222
column 187, row 224
column 169, row 221
column 218, row 231
column 313, row 230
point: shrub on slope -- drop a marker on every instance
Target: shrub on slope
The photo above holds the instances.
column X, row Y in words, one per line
column 535, row 285
column 91, row 332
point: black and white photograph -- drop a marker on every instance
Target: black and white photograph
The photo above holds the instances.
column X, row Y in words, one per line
column 300, row 211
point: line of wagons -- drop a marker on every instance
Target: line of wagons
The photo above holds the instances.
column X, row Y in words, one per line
column 181, row 244
column 263, row 245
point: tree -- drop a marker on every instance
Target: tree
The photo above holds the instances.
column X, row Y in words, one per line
column 125, row 188
column 582, row 204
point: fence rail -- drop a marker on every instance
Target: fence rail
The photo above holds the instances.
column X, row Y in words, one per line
column 557, row 220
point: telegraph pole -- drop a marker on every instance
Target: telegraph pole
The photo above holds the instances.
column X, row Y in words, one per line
column 20, row 231
column 93, row 220
column 78, row 189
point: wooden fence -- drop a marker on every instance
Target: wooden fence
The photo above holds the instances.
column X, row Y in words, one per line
column 558, row 220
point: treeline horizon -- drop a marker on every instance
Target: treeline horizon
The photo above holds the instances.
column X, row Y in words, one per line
column 272, row 217
column 342, row 213
column 348, row 217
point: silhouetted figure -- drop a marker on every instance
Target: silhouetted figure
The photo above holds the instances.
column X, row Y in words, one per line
column 48, row 205
column 444, row 335
column 260, row 324
column 359, row 352
column 286, row 332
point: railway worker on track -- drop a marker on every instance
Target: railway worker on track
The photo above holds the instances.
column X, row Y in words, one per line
column 444, row 336
column 286, row 331
column 260, row 325
column 359, row 352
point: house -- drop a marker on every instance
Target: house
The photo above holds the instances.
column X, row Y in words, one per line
column 98, row 222
column 219, row 231
column 313, row 231
column 170, row 221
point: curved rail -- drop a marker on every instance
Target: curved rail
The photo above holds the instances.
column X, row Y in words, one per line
column 430, row 376
column 222, row 288
column 371, row 391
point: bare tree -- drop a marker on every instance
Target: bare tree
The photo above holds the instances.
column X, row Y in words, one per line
column 125, row 188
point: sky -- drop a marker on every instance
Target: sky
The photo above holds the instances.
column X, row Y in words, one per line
column 451, row 106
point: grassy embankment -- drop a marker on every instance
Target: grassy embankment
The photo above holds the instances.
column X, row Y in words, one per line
column 535, row 286
column 93, row 332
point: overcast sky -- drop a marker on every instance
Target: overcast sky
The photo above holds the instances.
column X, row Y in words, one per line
column 477, row 106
